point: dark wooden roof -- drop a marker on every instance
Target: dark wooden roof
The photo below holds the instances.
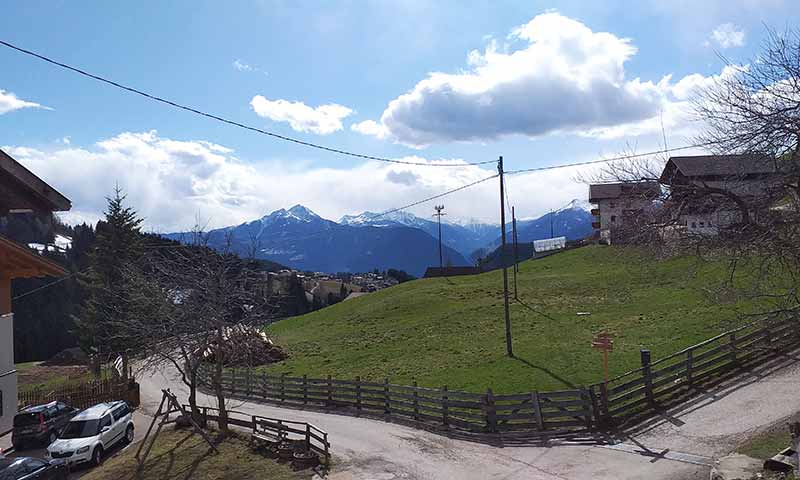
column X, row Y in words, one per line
column 22, row 190
column 17, row 261
column 610, row 191
column 718, row 166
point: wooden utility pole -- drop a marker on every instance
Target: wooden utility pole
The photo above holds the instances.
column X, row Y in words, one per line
column 516, row 253
column 509, row 349
column 439, row 214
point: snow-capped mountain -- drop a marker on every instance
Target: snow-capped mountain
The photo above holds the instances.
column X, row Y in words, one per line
column 301, row 239
column 463, row 238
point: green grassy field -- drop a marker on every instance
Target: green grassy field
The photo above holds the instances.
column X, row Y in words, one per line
column 450, row 331
column 184, row 455
column 33, row 375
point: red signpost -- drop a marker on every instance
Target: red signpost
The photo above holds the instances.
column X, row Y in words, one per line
column 602, row 341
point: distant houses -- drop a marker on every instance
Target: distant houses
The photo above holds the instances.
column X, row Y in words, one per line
column 703, row 195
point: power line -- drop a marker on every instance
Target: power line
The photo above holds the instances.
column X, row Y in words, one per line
column 228, row 121
column 612, row 159
column 45, row 286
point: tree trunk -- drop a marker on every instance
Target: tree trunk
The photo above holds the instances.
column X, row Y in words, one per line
column 222, row 423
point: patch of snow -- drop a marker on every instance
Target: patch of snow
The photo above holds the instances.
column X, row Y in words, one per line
column 577, row 204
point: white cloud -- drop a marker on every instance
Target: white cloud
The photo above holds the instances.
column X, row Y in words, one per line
column 322, row 120
column 9, row 102
column 170, row 182
column 728, row 35
column 246, row 67
column 565, row 78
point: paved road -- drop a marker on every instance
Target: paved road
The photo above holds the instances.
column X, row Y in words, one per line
column 374, row 450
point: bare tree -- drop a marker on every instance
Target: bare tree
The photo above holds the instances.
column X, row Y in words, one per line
column 752, row 111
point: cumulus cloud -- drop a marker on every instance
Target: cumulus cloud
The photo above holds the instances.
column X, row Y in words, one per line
column 321, row 120
column 10, row 102
column 556, row 76
column 727, row 35
column 171, row 182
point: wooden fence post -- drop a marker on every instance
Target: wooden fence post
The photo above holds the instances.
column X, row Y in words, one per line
column 689, row 367
column 387, row 408
column 586, row 398
column 416, row 402
column 327, row 453
column 491, row 411
column 648, row 377
column 358, row 393
column 445, row 411
column 283, row 387
column 330, row 391
column 598, row 416
column 537, row 410
column 305, row 389
column 308, row 437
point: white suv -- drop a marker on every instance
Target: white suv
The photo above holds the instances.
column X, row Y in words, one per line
column 92, row 432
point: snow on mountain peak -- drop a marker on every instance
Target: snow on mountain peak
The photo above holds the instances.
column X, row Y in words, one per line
column 297, row 212
column 577, row 204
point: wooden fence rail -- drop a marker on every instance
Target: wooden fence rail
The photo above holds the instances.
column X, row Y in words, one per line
column 313, row 438
column 82, row 395
column 641, row 391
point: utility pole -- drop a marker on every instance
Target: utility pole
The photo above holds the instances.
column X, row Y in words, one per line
column 509, row 349
column 516, row 252
column 439, row 214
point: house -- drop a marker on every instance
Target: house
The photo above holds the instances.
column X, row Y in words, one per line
column 693, row 180
column 620, row 206
column 20, row 192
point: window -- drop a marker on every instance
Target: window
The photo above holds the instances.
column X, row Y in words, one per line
column 694, row 224
column 32, row 465
column 105, row 422
column 612, row 204
column 613, row 218
column 702, row 224
column 120, row 411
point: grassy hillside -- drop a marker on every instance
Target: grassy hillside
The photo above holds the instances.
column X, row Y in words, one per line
column 450, row 331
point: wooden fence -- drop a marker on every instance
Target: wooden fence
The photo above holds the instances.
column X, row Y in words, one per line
column 82, row 395
column 313, row 438
column 663, row 382
column 638, row 392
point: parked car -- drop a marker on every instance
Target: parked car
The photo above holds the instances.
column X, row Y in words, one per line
column 27, row 468
column 93, row 432
column 40, row 423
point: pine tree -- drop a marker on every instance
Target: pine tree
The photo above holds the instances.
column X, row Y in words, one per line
column 118, row 245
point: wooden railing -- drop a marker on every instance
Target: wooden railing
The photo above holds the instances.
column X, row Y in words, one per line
column 313, row 438
column 665, row 381
column 82, row 395
column 638, row 392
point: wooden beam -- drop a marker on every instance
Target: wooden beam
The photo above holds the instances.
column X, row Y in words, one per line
column 5, row 294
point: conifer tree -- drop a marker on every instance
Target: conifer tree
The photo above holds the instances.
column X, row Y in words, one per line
column 118, row 245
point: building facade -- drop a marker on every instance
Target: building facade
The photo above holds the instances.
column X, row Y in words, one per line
column 620, row 207
column 21, row 192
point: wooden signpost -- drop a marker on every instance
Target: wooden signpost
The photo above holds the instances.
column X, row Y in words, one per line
column 602, row 341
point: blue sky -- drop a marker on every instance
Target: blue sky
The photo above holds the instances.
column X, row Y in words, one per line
column 546, row 83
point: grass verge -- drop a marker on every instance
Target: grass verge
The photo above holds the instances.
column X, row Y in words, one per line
column 182, row 454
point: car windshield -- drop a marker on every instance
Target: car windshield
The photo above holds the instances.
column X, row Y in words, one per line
column 80, row 429
column 26, row 419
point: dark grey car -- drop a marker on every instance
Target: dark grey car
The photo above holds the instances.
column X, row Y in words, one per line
column 27, row 468
column 40, row 424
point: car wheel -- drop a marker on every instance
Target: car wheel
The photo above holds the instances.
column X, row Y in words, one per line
column 97, row 455
column 52, row 437
column 129, row 434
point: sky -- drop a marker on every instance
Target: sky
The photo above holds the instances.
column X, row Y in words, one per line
column 540, row 83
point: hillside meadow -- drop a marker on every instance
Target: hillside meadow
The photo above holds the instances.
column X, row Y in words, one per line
column 450, row 331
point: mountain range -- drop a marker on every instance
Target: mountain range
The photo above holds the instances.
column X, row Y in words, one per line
column 301, row 239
